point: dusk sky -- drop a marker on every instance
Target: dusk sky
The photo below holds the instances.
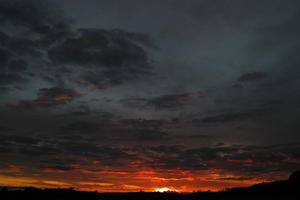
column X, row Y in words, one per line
column 130, row 95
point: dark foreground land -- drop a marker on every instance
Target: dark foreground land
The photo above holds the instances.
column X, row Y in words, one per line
column 283, row 190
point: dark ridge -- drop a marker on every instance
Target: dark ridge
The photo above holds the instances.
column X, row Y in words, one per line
column 295, row 177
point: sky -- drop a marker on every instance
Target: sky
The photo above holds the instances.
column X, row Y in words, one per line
column 131, row 95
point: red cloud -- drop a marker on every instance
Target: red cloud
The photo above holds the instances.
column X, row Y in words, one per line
column 48, row 97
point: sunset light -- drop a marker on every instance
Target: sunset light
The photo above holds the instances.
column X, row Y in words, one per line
column 165, row 189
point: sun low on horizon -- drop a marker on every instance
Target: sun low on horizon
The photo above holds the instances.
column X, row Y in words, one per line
column 148, row 95
column 165, row 189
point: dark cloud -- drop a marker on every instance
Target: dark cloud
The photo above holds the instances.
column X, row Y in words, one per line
column 7, row 79
column 227, row 117
column 18, row 65
column 49, row 97
column 59, row 168
column 83, row 113
column 219, row 144
column 38, row 34
column 168, row 102
column 4, row 90
column 236, row 178
column 199, row 136
column 239, row 160
column 4, row 58
column 121, row 130
column 15, row 139
column 116, row 56
column 7, row 75
column 252, row 76
column 82, row 126
column 45, row 150
column 40, row 18
column 227, row 158
column 151, row 135
column 26, row 30
column 172, row 101
column 246, row 111
column 20, row 46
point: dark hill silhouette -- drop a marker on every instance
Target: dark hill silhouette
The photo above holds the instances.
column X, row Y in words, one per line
column 295, row 177
column 278, row 190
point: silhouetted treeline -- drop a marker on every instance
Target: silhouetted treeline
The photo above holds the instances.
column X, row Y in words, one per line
column 285, row 190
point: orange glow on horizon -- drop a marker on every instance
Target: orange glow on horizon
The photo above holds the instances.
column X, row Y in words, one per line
column 126, row 182
column 130, row 180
